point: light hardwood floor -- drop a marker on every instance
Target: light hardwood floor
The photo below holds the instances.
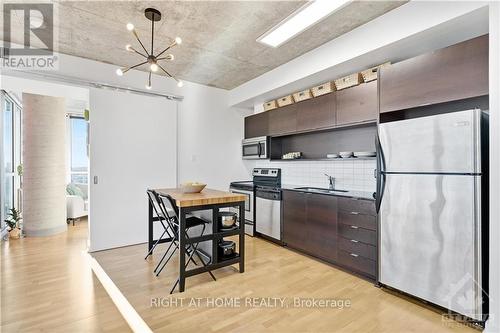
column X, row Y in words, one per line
column 47, row 285
column 271, row 271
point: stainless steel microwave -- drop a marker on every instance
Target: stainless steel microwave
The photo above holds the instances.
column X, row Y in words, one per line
column 255, row 148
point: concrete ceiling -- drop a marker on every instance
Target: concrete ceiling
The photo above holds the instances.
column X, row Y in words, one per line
column 219, row 47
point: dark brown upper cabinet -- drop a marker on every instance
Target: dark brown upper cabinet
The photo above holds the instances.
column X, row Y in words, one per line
column 357, row 104
column 316, row 113
column 456, row 72
column 283, row 120
column 257, row 125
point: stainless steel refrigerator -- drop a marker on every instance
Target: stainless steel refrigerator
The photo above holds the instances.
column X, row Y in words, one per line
column 429, row 203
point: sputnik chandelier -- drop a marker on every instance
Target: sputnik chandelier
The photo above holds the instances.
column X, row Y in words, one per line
column 153, row 60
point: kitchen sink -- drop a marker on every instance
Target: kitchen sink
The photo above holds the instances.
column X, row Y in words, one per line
column 319, row 189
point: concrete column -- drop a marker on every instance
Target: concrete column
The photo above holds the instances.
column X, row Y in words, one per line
column 44, row 181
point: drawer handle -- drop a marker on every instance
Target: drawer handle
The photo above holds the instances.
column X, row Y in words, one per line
column 354, row 213
column 354, row 241
column 354, row 227
column 354, row 255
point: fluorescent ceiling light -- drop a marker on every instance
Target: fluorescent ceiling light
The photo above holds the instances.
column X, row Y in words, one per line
column 306, row 16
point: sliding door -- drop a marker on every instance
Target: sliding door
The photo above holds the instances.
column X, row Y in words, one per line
column 133, row 142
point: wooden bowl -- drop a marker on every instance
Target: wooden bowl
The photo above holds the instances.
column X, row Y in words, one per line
column 192, row 187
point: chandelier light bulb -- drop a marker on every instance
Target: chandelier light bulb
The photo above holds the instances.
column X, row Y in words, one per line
column 148, row 86
column 178, row 40
column 180, row 84
column 119, row 72
column 128, row 47
column 130, row 26
column 154, row 67
column 170, row 57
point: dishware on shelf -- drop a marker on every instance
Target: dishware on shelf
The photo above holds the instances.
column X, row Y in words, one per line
column 365, row 153
column 192, row 187
column 226, row 248
column 292, row 156
column 346, row 154
column 332, row 155
column 227, row 220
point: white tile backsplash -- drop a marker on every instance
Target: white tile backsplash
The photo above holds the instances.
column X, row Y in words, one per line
column 355, row 175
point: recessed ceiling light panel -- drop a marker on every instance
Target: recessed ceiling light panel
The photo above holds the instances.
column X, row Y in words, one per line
column 302, row 19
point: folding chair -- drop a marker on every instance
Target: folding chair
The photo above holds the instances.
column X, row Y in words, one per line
column 153, row 199
column 170, row 212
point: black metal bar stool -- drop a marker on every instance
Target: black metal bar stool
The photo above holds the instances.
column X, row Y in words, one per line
column 170, row 211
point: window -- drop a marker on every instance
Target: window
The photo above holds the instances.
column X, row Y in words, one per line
column 11, row 154
column 8, row 154
column 79, row 159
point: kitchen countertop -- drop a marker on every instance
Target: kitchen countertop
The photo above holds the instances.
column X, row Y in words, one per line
column 351, row 194
column 206, row 197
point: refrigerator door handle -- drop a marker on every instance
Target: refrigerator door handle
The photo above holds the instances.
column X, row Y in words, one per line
column 380, row 174
column 380, row 191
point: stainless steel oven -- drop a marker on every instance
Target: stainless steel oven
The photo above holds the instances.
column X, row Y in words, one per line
column 255, row 148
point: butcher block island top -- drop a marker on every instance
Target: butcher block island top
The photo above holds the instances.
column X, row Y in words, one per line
column 205, row 197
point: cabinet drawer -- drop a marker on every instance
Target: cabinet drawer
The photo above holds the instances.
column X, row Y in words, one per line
column 358, row 263
column 357, row 205
column 357, row 233
column 356, row 247
column 357, row 219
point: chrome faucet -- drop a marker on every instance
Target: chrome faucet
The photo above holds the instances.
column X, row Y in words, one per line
column 331, row 181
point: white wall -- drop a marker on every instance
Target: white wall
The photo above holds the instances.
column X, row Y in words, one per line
column 210, row 134
column 493, row 324
column 133, row 147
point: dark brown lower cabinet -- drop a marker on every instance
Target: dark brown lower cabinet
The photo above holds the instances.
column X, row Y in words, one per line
column 294, row 220
column 340, row 230
column 358, row 263
column 310, row 223
column 321, row 223
column 357, row 247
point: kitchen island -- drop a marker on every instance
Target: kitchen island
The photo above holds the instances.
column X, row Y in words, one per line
column 208, row 199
